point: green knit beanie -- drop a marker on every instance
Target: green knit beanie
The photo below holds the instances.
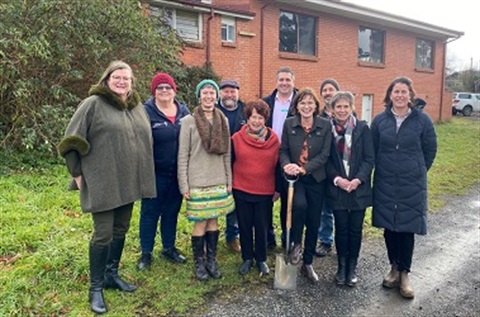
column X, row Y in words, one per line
column 206, row 82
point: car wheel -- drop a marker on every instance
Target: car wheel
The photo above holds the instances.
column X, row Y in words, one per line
column 454, row 111
column 467, row 111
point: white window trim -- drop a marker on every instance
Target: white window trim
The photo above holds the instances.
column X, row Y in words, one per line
column 229, row 21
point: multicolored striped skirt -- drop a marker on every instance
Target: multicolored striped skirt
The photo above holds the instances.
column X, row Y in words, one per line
column 209, row 203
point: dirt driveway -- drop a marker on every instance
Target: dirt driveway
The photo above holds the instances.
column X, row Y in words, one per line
column 445, row 276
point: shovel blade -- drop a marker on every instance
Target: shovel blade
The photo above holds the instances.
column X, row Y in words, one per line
column 285, row 274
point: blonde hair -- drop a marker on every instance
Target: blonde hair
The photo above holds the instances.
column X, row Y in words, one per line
column 343, row 95
column 115, row 65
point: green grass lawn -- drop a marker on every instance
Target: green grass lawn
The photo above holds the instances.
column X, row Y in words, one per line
column 44, row 242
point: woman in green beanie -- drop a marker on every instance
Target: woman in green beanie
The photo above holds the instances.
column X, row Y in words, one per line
column 205, row 176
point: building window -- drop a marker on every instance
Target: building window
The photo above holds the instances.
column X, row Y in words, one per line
column 228, row 29
column 188, row 24
column 371, row 45
column 424, row 54
column 297, row 33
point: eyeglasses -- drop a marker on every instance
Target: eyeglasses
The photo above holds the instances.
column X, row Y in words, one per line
column 119, row 78
column 166, row 87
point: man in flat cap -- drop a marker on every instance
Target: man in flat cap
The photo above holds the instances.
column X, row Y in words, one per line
column 232, row 108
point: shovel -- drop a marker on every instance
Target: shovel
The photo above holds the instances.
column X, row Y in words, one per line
column 285, row 272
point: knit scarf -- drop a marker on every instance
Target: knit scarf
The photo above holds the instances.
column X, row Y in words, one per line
column 260, row 135
column 215, row 135
column 343, row 140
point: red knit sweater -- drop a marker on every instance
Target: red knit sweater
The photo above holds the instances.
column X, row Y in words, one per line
column 254, row 165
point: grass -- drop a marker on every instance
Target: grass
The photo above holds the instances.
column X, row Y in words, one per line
column 44, row 238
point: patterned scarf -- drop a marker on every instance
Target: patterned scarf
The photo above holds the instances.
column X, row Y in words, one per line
column 215, row 135
column 343, row 140
column 260, row 135
column 304, row 154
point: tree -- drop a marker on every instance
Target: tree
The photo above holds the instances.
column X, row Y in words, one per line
column 52, row 51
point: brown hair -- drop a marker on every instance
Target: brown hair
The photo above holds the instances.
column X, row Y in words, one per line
column 302, row 94
column 260, row 106
column 400, row 80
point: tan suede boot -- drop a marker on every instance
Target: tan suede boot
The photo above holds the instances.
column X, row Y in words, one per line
column 405, row 288
column 392, row 278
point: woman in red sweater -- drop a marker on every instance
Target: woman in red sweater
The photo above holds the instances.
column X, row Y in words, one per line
column 255, row 155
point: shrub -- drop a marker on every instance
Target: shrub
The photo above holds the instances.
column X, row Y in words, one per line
column 52, row 51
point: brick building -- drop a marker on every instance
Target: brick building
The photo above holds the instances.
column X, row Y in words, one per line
column 364, row 49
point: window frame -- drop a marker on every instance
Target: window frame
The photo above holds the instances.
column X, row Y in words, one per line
column 298, row 45
column 228, row 22
column 370, row 59
column 173, row 23
column 420, row 44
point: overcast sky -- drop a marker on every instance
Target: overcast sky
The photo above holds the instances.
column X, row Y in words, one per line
column 458, row 15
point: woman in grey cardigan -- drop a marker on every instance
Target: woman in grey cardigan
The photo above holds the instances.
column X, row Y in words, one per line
column 108, row 151
column 205, row 176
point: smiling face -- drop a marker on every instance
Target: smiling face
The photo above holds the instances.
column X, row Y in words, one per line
column 256, row 121
column 285, row 83
column 306, row 107
column 164, row 93
column 229, row 96
column 120, row 82
column 342, row 110
column 400, row 96
column 327, row 93
column 208, row 97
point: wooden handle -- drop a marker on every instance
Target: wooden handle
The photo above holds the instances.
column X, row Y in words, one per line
column 289, row 206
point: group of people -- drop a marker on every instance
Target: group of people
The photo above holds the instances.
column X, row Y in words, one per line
column 231, row 159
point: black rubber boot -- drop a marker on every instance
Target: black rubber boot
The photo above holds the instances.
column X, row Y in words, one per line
column 352, row 279
column 112, row 279
column 341, row 271
column 211, row 239
column 198, row 257
column 98, row 261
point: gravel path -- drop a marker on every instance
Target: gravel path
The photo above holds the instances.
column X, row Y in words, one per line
column 445, row 276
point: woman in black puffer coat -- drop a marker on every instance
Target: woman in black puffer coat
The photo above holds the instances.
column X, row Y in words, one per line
column 405, row 147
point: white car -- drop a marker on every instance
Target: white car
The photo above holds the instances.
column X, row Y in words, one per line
column 465, row 102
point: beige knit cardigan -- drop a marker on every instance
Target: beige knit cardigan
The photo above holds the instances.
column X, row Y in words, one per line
column 197, row 167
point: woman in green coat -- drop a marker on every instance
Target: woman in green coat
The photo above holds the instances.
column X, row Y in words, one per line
column 108, row 152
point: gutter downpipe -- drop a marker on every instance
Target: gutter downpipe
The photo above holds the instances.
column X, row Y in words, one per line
column 262, row 35
column 208, row 57
column 443, row 76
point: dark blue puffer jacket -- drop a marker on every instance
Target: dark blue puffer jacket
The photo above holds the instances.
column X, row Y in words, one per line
column 402, row 160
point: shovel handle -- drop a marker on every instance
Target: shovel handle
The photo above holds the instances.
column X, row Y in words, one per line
column 289, row 206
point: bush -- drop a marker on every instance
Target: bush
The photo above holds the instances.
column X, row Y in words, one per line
column 52, row 51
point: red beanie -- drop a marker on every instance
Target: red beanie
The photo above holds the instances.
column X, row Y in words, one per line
column 162, row 78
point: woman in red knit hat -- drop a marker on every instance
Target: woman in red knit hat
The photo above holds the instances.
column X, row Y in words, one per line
column 165, row 113
column 255, row 155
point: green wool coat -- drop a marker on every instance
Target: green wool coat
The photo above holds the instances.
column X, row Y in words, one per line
column 109, row 143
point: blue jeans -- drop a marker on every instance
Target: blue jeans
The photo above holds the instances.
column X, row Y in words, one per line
column 165, row 207
column 325, row 232
column 231, row 230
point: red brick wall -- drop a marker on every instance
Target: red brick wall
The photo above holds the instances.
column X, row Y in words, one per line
column 337, row 45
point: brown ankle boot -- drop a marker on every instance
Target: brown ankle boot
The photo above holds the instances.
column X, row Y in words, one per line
column 405, row 288
column 392, row 278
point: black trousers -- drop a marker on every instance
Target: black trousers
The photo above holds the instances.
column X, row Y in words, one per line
column 307, row 208
column 252, row 217
column 111, row 224
column 348, row 232
column 400, row 248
